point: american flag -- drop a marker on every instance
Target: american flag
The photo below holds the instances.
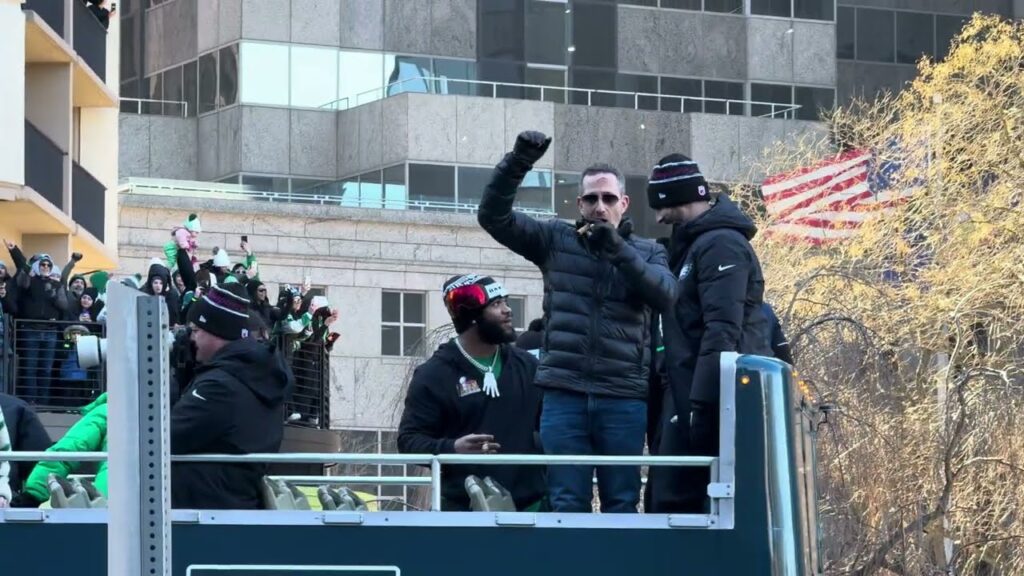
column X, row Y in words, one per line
column 830, row 200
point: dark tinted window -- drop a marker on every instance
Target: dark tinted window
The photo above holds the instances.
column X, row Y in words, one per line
column 914, row 36
column 770, row 7
column 645, row 220
column 773, row 93
column 642, row 2
column 681, row 87
column 545, row 32
column 727, row 6
column 567, row 188
column 173, row 92
column 450, row 72
column 412, row 311
column 395, row 195
column 594, row 34
column 946, row 28
column 594, row 80
column 500, row 30
column 228, row 89
column 190, row 87
column 813, row 9
column 813, row 101
column 472, row 182
column 128, row 48
column 875, row 41
column 637, row 83
column 207, row 82
column 497, row 71
column 681, row 4
column 554, row 77
column 431, row 183
column 156, row 92
column 846, row 33
column 535, row 191
column 724, row 91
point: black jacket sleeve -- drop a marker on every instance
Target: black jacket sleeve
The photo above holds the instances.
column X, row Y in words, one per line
column 779, row 344
column 650, row 278
column 10, row 302
column 514, row 230
column 203, row 414
column 422, row 425
column 21, row 267
column 723, row 267
column 31, row 436
column 188, row 273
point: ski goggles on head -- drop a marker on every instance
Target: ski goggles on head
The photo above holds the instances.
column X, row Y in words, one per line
column 472, row 297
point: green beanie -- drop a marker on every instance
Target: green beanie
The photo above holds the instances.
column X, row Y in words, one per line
column 98, row 280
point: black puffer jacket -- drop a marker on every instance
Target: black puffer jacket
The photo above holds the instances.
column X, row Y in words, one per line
column 597, row 335
column 721, row 290
column 169, row 293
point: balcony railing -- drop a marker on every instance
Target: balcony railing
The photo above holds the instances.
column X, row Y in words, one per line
column 42, row 367
column 154, row 107
column 90, row 38
column 51, row 11
column 88, row 201
column 44, row 166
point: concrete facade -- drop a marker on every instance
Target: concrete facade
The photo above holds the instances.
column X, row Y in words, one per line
column 355, row 255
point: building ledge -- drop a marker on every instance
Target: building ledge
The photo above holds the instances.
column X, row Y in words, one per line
column 45, row 46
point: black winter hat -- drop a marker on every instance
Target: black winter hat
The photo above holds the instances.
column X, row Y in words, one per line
column 676, row 180
column 222, row 312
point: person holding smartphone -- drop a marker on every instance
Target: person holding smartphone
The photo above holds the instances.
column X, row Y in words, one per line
column 101, row 12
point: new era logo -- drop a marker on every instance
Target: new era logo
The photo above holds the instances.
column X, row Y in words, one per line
column 202, row 318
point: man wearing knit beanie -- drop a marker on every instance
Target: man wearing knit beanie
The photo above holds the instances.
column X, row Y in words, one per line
column 718, row 309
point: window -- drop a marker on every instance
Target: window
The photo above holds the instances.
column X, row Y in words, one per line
column 395, row 195
column 726, row 6
column 500, row 30
column 567, row 189
column 813, row 9
column 915, row 36
column 403, row 323
column 594, row 37
column 554, row 77
column 472, row 182
column 781, row 95
column 682, row 87
column 264, row 73
column 637, row 83
column 770, row 7
column 680, row 4
column 498, row 71
column 371, row 190
column 946, row 28
column 228, row 87
column 594, row 80
column 645, row 222
column 256, row 183
column 314, row 76
column 546, row 32
column 173, row 92
column 813, row 101
column 208, row 82
column 313, row 187
column 360, row 78
column 846, row 33
column 190, row 87
column 535, row 191
column 723, row 92
column 518, row 306
column 875, row 35
column 156, row 92
column 449, row 74
column 431, row 183
column 407, row 74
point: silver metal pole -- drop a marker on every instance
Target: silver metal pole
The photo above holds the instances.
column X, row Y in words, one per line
column 435, row 485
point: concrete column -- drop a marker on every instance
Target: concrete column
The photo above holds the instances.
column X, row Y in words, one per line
column 12, row 92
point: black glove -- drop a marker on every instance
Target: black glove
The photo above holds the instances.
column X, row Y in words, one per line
column 76, row 256
column 606, row 241
column 530, row 146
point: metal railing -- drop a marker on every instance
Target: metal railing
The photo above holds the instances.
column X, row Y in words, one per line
column 44, row 165
column 45, row 370
column 6, row 352
column 434, row 461
column 51, row 11
column 88, row 201
column 310, row 364
column 163, row 105
column 179, row 188
column 586, row 96
column 90, row 38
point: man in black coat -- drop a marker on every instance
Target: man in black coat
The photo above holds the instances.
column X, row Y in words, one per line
column 719, row 310
column 475, row 395
column 601, row 283
column 27, row 435
column 232, row 406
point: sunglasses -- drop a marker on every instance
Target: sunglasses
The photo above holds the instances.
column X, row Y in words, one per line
column 608, row 199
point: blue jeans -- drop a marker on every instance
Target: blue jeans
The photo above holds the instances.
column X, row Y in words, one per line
column 583, row 425
column 40, row 343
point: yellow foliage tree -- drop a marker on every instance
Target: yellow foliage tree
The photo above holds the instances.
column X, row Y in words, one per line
column 914, row 327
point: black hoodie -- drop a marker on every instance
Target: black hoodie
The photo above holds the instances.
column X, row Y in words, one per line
column 436, row 415
column 169, row 293
column 721, row 290
column 232, row 406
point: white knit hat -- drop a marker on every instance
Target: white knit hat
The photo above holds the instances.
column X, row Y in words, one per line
column 220, row 258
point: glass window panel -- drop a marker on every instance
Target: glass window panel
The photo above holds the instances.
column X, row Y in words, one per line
column 845, row 33
column 407, row 74
column 395, row 195
column 545, row 32
column 770, row 8
column 498, row 71
column 450, row 72
column 431, row 183
column 875, row 41
column 594, row 35
column 412, row 337
column 813, row 102
column 554, row 77
column 371, row 190
column 389, row 445
column 412, row 313
column 264, row 73
column 500, row 30
column 360, row 78
column 637, row 83
column 915, row 36
column 725, row 6
column 567, row 188
column 315, row 188
column 724, row 91
column 207, row 82
column 314, row 76
column 535, row 191
column 813, row 9
column 472, row 182
column 252, row 183
column 127, row 47
column 946, row 29
column 391, row 307
column 156, row 92
column 781, row 94
column 595, row 80
column 190, row 87
column 349, row 190
column 647, row 2
column 228, row 89
column 518, row 306
column 173, row 92
column 681, row 4
column 391, row 340
column 645, row 221
column 681, row 87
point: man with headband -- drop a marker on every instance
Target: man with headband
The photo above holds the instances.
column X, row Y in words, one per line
column 475, row 395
